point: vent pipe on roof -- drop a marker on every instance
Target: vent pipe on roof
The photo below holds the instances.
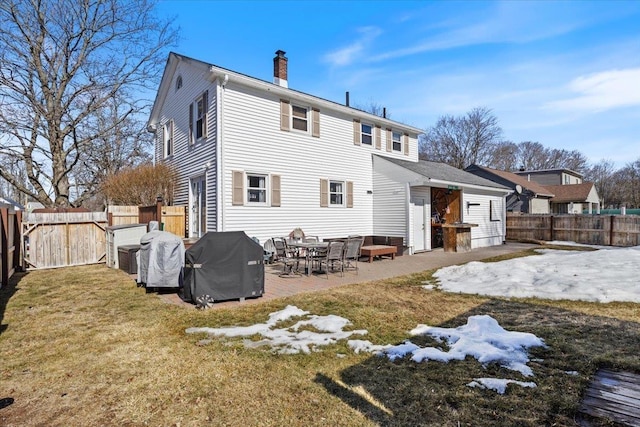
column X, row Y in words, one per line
column 384, row 112
column 280, row 69
column 347, row 98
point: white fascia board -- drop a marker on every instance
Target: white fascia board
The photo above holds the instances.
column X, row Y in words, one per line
column 477, row 187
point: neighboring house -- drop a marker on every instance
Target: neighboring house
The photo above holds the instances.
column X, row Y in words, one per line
column 527, row 196
column 259, row 157
column 559, row 176
column 575, row 198
column 571, row 194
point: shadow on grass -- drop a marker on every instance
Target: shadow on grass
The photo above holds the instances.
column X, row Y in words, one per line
column 6, row 292
column 435, row 393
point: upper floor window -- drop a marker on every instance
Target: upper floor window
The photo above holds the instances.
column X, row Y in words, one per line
column 367, row 134
column 167, row 138
column 256, row 188
column 198, row 118
column 178, row 82
column 299, row 119
column 397, row 141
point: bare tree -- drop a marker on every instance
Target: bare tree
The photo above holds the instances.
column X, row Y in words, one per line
column 61, row 64
column 504, row 156
column 462, row 141
column 601, row 174
column 374, row 108
column 626, row 186
column 118, row 147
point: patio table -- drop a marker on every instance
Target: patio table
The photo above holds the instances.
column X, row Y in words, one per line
column 310, row 249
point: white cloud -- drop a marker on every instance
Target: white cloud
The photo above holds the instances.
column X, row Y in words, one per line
column 602, row 91
column 348, row 54
column 507, row 22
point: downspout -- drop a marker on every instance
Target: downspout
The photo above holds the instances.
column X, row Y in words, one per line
column 407, row 216
column 220, row 166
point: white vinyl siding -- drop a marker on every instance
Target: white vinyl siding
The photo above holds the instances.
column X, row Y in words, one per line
column 302, row 161
column 476, row 210
column 247, row 136
column 191, row 160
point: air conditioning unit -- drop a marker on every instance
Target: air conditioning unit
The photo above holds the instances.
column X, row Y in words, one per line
column 122, row 235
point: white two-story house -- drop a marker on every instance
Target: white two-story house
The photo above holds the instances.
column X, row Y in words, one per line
column 260, row 157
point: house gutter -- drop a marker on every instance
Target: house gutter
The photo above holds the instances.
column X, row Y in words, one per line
column 474, row 186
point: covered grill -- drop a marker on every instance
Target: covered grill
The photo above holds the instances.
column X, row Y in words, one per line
column 223, row 266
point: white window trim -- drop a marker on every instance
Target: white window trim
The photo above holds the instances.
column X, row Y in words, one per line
column 363, row 134
column 307, row 118
column 394, row 141
column 343, row 193
column 266, row 189
column 167, row 139
column 197, row 138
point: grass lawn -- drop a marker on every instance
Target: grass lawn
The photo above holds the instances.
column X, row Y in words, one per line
column 84, row 346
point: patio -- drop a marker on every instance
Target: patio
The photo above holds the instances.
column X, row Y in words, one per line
column 278, row 287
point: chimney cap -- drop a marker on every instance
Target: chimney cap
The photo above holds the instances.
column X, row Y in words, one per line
column 280, row 53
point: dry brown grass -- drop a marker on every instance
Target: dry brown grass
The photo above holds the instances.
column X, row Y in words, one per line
column 85, row 346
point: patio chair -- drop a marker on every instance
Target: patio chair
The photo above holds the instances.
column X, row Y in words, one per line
column 333, row 257
column 297, row 235
column 352, row 252
column 267, row 254
column 288, row 256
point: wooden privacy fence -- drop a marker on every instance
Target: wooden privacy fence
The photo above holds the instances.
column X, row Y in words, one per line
column 174, row 218
column 9, row 243
column 612, row 230
column 64, row 239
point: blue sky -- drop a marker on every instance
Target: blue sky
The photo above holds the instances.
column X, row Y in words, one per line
column 565, row 74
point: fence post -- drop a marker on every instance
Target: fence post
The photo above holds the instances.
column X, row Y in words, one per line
column 612, row 218
column 551, row 233
column 159, row 213
column 4, row 246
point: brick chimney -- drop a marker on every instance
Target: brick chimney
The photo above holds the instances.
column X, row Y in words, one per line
column 280, row 69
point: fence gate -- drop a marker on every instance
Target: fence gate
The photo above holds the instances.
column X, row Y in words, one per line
column 63, row 239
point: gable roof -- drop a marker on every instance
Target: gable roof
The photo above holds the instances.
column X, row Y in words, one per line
column 571, row 192
column 532, row 186
column 214, row 72
column 444, row 173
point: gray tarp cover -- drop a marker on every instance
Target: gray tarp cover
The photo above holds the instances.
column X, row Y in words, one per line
column 160, row 260
column 225, row 265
